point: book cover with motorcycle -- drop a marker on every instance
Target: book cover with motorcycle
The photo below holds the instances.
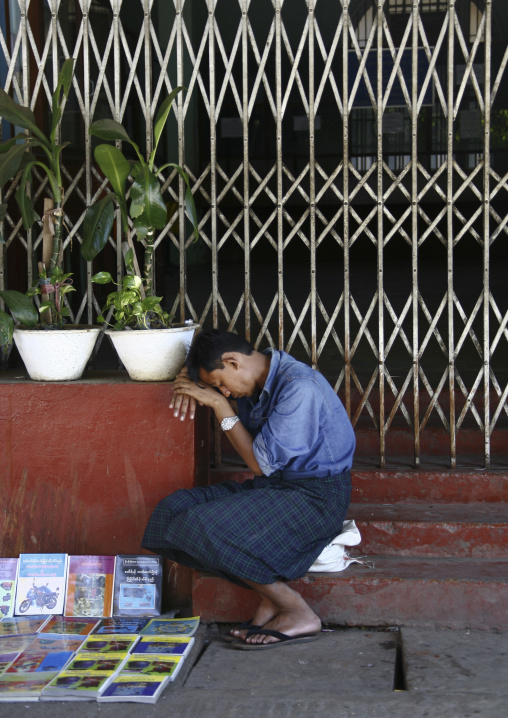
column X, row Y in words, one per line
column 41, row 583
column 8, row 571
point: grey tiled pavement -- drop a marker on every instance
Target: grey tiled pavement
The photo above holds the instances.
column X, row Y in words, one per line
column 361, row 672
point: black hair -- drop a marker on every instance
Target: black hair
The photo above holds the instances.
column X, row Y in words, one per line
column 208, row 348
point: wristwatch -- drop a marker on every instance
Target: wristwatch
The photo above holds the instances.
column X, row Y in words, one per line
column 228, row 423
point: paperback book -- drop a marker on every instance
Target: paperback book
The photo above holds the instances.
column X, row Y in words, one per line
column 55, row 643
column 137, row 665
column 109, row 644
column 22, row 686
column 171, row 627
column 40, row 661
column 123, row 625
column 76, row 686
column 88, row 661
column 64, row 626
column 5, row 660
column 133, row 689
column 15, row 644
column 138, row 586
column 22, row 626
column 90, row 586
column 8, row 572
column 41, row 583
column 164, row 645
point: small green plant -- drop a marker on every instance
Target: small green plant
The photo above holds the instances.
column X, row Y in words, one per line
column 130, row 308
column 16, row 157
column 143, row 208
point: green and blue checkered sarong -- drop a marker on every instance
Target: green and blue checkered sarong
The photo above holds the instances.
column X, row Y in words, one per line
column 264, row 529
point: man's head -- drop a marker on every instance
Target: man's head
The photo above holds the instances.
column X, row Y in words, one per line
column 209, row 348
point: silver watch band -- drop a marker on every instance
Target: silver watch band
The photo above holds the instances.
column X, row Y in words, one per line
column 228, row 423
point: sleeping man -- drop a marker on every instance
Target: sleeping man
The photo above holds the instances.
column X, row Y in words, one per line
column 293, row 433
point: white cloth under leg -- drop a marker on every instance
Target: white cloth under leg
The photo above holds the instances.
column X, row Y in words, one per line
column 335, row 557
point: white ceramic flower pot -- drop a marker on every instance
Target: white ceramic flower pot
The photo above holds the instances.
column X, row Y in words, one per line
column 56, row 355
column 153, row 354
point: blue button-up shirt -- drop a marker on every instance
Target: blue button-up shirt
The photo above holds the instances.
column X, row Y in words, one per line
column 298, row 422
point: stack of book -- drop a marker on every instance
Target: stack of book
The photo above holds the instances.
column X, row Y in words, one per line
column 87, row 628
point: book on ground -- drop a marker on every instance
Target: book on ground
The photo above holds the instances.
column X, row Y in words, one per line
column 76, row 686
column 55, row 643
column 138, row 586
column 37, row 661
column 121, row 625
column 8, row 573
column 6, row 659
column 64, row 626
column 151, row 665
column 86, row 661
column 41, row 583
column 164, row 645
column 133, row 689
column 22, row 626
column 15, row 644
column 171, row 627
column 23, row 686
column 90, row 586
column 109, row 644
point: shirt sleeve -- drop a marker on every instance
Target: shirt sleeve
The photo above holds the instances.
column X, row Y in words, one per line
column 292, row 428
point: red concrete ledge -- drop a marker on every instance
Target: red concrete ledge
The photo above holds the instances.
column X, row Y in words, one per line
column 82, row 464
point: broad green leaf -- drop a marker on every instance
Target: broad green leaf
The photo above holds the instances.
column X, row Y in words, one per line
column 102, row 278
column 150, row 303
column 65, row 312
column 6, row 146
column 10, row 163
column 112, row 130
column 116, row 168
column 61, row 92
column 147, row 209
column 137, row 309
column 189, row 199
column 21, row 116
column 161, row 119
column 97, row 227
column 21, row 307
column 25, row 205
column 129, row 260
column 131, row 281
column 67, row 288
column 44, row 306
column 6, row 328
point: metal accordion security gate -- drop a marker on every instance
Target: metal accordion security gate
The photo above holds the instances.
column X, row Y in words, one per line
column 349, row 162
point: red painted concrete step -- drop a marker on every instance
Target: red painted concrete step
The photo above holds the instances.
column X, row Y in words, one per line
column 391, row 486
column 462, row 530
column 442, row 592
column 439, row 543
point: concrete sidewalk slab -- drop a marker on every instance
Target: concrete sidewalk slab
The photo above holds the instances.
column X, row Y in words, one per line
column 347, row 673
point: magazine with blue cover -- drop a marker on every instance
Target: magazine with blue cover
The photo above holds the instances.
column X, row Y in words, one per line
column 41, row 584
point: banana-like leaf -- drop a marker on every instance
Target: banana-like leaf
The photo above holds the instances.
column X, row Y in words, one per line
column 21, row 307
column 112, row 130
column 20, row 116
column 189, row 199
column 61, row 92
column 6, row 328
column 147, row 208
column 6, row 146
column 116, row 168
column 97, row 227
column 25, row 205
column 10, row 162
column 161, row 119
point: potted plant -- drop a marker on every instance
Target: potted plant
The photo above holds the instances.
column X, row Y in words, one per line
column 48, row 355
column 150, row 346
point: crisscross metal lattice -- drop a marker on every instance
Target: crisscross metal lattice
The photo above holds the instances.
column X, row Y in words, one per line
column 349, row 163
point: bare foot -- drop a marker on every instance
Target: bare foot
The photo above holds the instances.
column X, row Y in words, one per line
column 266, row 611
